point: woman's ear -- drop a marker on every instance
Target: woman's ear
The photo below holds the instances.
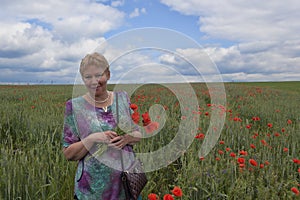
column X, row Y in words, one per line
column 108, row 74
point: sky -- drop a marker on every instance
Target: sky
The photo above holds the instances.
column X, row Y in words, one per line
column 43, row 42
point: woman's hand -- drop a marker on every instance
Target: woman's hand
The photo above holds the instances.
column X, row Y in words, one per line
column 121, row 140
column 100, row 137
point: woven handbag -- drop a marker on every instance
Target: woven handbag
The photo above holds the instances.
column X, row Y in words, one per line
column 134, row 178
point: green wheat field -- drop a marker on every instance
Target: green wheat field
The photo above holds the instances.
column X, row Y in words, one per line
column 256, row 157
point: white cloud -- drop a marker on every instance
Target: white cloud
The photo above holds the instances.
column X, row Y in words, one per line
column 136, row 12
column 143, row 10
column 43, row 40
column 264, row 33
column 117, row 3
column 243, row 20
column 168, row 58
column 46, row 40
column 80, row 19
column 264, row 60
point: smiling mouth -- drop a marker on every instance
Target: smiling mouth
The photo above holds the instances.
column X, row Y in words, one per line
column 95, row 87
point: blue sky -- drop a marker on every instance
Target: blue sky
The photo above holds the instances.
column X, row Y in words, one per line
column 43, row 42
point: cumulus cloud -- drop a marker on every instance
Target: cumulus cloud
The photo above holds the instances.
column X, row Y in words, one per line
column 68, row 20
column 117, row 3
column 45, row 41
column 243, row 20
column 266, row 58
column 263, row 33
column 50, row 38
column 137, row 12
column 190, row 61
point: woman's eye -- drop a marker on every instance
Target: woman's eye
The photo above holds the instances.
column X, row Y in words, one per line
column 88, row 77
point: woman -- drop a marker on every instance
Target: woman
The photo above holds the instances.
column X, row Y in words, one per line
column 89, row 134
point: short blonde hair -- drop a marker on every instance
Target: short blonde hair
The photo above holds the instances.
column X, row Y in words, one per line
column 95, row 59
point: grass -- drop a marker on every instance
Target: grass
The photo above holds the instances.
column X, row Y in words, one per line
column 292, row 86
column 33, row 167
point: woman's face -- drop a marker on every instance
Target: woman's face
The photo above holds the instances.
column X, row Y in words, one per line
column 95, row 79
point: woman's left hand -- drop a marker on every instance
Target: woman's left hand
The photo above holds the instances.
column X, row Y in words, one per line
column 120, row 141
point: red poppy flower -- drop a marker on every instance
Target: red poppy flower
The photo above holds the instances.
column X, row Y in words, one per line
column 267, row 162
column 255, row 118
column 248, row 126
column 244, row 153
column 232, row 155
column 168, row 197
column 263, row 142
column 261, row 166
column 222, row 142
column 152, row 126
column 296, row 161
column 252, row 146
column 270, row 125
column 237, row 119
column 241, row 160
column 295, row 190
column 152, row 196
column 289, row 121
column 285, row 149
column 177, row 191
column 242, row 165
column 135, row 117
column 276, row 134
column 253, row 162
column 133, row 106
column 200, row 136
column 146, row 119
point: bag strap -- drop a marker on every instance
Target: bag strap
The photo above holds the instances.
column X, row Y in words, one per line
column 117, row 108
column 117, row 112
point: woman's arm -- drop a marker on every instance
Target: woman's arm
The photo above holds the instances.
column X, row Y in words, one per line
column 78, row 150
column 75, row 151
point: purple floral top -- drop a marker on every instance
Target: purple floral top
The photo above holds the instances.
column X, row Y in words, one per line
column 98, row 173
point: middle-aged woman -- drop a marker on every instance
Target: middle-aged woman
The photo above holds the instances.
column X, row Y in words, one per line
column 89, row 125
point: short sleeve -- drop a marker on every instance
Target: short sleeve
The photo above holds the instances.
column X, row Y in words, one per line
column 70, row 133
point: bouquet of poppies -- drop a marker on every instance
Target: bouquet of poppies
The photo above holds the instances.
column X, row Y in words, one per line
column 148, row 125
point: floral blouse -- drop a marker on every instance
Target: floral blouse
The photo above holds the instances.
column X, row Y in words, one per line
column 98, row 173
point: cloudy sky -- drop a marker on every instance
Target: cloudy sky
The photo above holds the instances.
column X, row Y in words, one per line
column 44, row 41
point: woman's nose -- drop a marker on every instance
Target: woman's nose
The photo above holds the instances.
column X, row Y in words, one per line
column 96, row 79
